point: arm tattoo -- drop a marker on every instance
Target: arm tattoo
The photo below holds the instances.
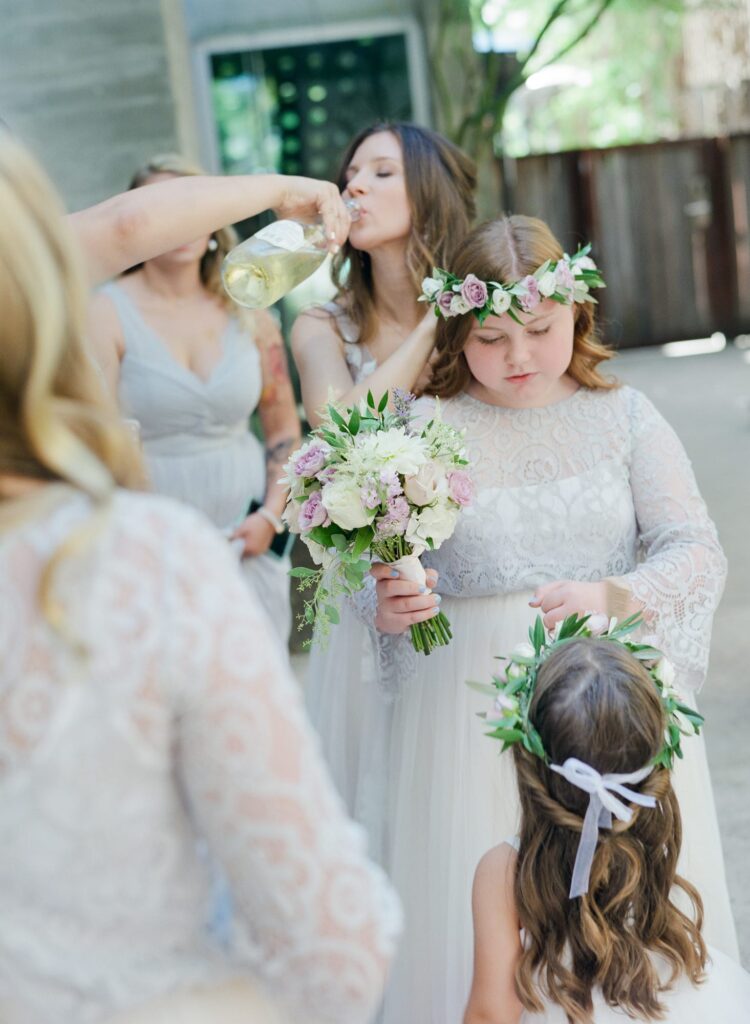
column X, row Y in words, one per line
column 278, row 453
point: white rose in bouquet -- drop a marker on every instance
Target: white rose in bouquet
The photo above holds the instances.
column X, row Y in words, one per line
column 343, row 502
column 393, row 449
column 434, row 523
column 429, row 483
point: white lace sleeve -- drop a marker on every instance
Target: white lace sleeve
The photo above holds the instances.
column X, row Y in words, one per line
column 681, row 578
column 322, row 919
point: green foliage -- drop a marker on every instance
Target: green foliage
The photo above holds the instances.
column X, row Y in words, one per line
column 514, row 691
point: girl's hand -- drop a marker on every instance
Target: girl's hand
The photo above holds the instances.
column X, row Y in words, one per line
column 400, row 603
column 309, row 198
column 257, row 534
column 565, row 597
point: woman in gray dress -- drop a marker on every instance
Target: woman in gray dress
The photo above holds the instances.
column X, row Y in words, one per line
column 192, row 368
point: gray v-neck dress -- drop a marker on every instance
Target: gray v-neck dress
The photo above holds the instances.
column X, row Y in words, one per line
column 196, row 437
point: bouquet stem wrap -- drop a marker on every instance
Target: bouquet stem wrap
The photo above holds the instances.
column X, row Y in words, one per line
column 434, row 632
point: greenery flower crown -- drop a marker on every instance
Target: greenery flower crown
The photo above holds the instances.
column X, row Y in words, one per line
column 566, row 280
column 513, row 692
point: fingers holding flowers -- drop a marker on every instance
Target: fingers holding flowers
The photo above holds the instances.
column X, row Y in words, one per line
column 562, row 598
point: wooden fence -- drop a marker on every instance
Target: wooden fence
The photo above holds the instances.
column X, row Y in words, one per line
column 669, row 226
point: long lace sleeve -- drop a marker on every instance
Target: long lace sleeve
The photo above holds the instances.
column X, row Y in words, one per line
column 681, row 578
column 322, row 920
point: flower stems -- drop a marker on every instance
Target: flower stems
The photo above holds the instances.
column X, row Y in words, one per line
column 435, row 632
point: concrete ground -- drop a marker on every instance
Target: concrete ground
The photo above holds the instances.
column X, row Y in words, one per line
column 706, row 398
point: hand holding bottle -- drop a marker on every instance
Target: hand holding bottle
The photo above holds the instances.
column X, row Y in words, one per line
column 260, row 270
column 308, row 199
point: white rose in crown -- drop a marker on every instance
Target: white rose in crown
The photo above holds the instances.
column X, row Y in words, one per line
column 431, row 288
column 500, row 301
column 459, row 305
column 429, row 483
column 523, row 650
column 548, row 284
column 343, row 502
column 435, row 524
column 664, row 670
column 585, row 263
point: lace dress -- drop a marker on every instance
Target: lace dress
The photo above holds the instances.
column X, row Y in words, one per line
column 161, row 716
column 196, row 436
column 597, row 485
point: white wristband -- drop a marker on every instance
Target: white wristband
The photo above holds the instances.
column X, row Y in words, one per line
column 271, row 518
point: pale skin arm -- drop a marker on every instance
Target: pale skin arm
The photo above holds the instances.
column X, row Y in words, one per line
column 106, row 337
column 138, row 225
column 281, row 430
column 319, row 355
column 567, row 597
column 497, row 941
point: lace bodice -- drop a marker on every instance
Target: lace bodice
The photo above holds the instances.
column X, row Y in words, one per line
column 595, row 486
column 177, row 720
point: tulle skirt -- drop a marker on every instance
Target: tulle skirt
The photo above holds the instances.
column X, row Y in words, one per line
column 435, row 794
column 723, row 998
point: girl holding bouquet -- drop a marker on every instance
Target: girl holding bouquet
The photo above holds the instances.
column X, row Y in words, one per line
column 585, row 501
column 415, row 195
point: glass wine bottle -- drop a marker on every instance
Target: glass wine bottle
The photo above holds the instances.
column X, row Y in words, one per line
column 258, row 271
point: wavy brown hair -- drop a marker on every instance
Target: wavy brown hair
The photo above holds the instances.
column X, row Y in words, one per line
column 594, row 701
column 226, row 238
column 440, row 184
column 506, row 250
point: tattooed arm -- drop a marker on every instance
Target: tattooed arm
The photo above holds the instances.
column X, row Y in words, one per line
column 281, row 428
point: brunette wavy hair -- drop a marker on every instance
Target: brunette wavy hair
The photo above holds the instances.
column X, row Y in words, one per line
column 595, row 702
column 506, row 250
column 440, row 184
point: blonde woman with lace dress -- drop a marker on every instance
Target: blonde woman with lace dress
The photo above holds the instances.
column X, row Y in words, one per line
column 141, row 706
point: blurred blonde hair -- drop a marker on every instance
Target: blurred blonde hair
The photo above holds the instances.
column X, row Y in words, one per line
column 56, row 421
column 226, row 238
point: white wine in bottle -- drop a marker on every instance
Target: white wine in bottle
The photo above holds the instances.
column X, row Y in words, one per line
column 257, row 272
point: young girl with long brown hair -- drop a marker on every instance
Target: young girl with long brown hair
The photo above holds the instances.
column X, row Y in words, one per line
column 566, row 930
column 585, row 500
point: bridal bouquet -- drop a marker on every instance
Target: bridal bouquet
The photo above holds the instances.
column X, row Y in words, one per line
column 371, row 481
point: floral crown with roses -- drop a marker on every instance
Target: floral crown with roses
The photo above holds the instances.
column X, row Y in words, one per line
column 514, row 690
column 566, row 280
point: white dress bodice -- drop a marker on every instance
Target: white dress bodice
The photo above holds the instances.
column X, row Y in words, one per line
column 158, row 712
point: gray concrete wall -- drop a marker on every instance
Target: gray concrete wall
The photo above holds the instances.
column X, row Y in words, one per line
column 246, row 16
column 86, row 84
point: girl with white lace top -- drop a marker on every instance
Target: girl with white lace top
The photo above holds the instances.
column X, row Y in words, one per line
column 142, row 703
column 575, row 920
column 414, row 190
column 585, row 501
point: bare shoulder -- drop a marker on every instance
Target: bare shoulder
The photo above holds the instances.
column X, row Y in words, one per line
column 495, row 873
column 104, row 323
column 314, row 324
